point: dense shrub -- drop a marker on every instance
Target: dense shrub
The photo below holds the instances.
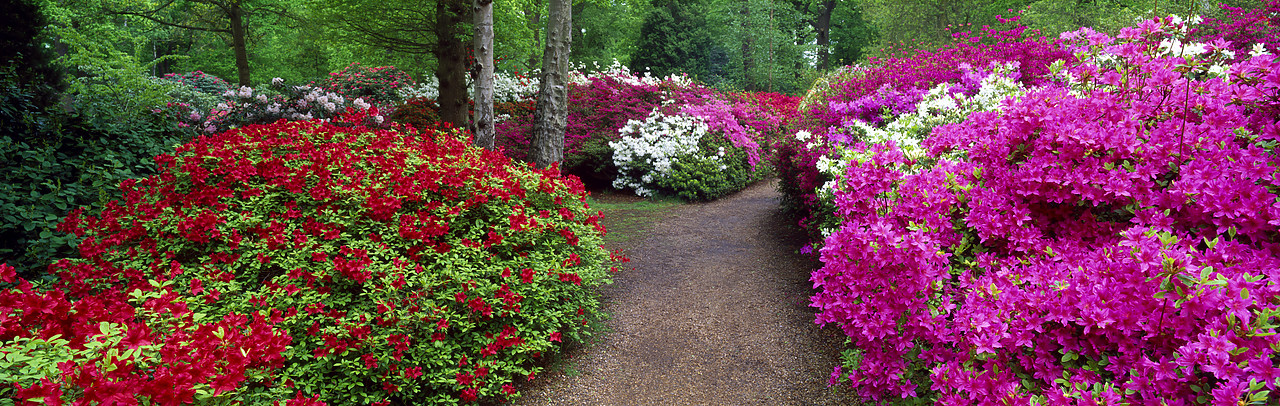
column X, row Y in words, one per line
column 277, row 101
column 603, row 103
column 1110, row 238
column 378, row 86
column 406, row 267
column 887, row 87
column 680, row 155
column 420, row 112
column 200, row 82
column 112, row 120
column 1245, row 31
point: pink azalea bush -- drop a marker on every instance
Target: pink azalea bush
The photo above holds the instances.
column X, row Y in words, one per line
column 311, row 262
column 1108, row 238
column 886, row 87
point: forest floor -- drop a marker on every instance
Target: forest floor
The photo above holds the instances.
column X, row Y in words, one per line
column 714, row 312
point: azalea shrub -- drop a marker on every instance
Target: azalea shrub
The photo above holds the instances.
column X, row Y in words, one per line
column 603, row 103
column 200, row 82
column 679, row 155
column 278, row 101
column 313, row 262
column 1107, row 236
column 420, row 112
column 376, row 85
column 883, row 88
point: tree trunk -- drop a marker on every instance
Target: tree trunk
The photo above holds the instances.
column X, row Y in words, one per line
column 451, row 62
column 748, row 61
column 236, row 16
column 535, row 24
column 822, row 25
column 483, row 48
column 552, row 110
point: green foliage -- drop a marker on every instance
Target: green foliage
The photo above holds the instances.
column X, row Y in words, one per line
column 201, row 82
column 718, row 170
column 606, row 31
column 593, row 163
column 53, row 160
column 21, row 50
column 850, row 34
column 676, row 37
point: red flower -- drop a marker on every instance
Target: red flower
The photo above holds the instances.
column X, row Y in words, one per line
column 47, row 391
column 7, row 273
column 469, row 395
column 464, row 379
column 413, row 373
column 555, row 336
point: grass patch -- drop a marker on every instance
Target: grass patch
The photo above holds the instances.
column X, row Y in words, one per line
column 628, row 217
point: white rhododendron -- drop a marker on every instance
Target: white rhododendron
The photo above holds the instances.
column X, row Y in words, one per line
column 648, row 148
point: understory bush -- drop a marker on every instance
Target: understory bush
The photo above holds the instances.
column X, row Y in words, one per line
column 1107, row 236
column 680, row 155
column 312, row 262
column 377, row 85
column 110, row 120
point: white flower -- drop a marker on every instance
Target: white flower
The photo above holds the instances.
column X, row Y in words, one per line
column 803, row 135
column 1258, row 50
column 360, row 104
column 277, row 81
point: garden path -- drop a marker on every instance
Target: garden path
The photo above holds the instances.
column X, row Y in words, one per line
column 715, row 312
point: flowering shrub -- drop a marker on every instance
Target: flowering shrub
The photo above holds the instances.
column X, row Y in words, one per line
column 1245, row 31
column 599, row 104
column 507, row 88
column 875, row 93
column 379, row 86
column 1111, row 239
column 200, row 81
column 922, row 69
column 672, row 154
column 278, row 101
column 406, row 267
column 420, row 112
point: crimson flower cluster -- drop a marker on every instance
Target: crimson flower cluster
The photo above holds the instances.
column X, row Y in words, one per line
column 310, row 263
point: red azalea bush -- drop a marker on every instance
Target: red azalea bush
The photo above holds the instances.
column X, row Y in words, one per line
column 1110, row 240
column 407, row 267
column 419, row 112
column 377, row 85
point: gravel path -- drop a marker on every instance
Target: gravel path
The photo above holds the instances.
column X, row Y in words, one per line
column 714, row 313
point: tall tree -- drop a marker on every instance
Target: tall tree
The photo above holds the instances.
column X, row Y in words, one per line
column 230, row 19
column 451, row 61
column 440, row 31
column 677, row 37
column 553, row 94
column 817, row 13
column 483, row 48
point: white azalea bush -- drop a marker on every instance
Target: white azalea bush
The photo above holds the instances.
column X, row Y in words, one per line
column 508, row 87
column 678, row 155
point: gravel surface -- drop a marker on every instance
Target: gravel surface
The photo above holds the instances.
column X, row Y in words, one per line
column 714, row 313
